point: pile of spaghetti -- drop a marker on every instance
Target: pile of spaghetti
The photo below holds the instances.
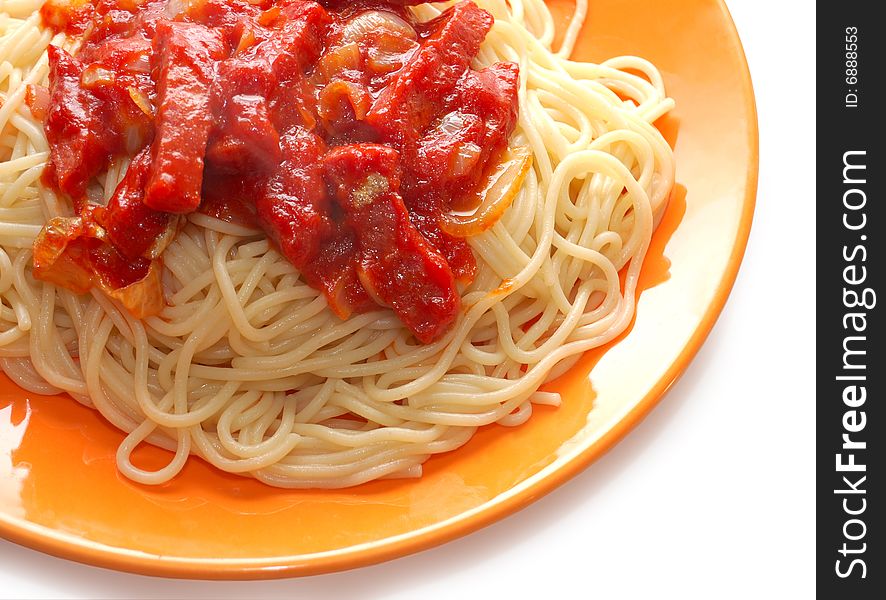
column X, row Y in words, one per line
column 466, row 199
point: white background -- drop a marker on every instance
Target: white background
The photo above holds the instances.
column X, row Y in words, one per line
column 710, row 497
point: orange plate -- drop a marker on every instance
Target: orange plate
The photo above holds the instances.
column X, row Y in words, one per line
column 60, row 492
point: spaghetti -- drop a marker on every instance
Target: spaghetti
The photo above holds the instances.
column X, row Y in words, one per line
column 247, row 366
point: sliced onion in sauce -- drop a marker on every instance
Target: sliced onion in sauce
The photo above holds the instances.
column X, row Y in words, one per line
column 95, row 76
column 356, row 94
column 141, row 100
column 369, row 286
column 384, row 62
column 53, row 263
column 340, row 59
column 452, row 124
column 497, row 192
column 95, row 195
column 143, row 298
column 165, row 238
column 465, row 159
column 389, row 57
column 139, row 63
column 175, row 8
column 373, row 22
column 133, row 138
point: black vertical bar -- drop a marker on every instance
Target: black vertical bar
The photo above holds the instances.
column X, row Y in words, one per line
column 850, row 172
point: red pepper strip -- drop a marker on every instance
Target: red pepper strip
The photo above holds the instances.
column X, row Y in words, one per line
column 293, row 206
column 451, row 157
column 407, row 106
column 293, row 209
column 293, row 45
column 395, row 263
column 247, row 140
column 79, row 141
column 185, row 54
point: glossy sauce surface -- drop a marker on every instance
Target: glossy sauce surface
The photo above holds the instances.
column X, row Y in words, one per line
column 249, row 111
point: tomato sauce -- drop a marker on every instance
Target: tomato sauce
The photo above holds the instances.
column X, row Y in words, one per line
column 343, row 129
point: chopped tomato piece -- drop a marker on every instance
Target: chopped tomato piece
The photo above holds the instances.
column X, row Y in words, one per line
column 334, row 272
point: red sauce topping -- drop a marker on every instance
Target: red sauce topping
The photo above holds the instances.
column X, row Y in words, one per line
column 344, row 129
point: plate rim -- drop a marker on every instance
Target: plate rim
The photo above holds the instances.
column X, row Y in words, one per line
column 71, row 547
